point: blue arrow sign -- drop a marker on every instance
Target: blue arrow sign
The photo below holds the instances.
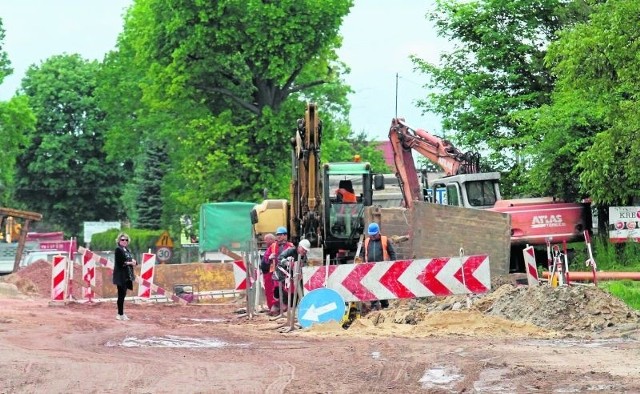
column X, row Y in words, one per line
column 320, row 306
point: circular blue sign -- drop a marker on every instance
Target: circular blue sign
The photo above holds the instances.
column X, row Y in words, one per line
column 320, row 306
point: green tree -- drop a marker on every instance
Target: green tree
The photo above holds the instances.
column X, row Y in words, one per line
column 63, row 172
column 149, row 179
column 497, row 69
column 222, row 84
column 597, row 94
column 16, row 119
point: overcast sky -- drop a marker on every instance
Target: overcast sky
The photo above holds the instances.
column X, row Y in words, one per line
column 379, row 36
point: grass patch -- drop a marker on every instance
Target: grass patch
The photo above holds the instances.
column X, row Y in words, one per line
column 627, row 290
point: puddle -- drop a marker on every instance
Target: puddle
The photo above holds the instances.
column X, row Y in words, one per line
column 172, row 341
column 440, row 378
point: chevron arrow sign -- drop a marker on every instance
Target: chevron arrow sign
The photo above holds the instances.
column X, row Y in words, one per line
column 388, row 280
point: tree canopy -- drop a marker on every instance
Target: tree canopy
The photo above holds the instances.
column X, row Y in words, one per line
column 63, row 173
column 496, row 70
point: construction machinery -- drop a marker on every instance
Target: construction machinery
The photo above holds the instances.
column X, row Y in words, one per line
column 533, row 220
column 16, row 230
column 331, row 219
column 327, row 201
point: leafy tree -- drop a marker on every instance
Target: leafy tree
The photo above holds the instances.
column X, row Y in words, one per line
column 598, row 71
column 222, row 84
column 5, row 63
column 496, row 69
column 63, row 172
column 16, row 119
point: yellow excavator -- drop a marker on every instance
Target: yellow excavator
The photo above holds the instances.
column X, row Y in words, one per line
column 15, row 231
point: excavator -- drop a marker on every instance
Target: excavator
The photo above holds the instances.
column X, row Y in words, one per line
column 331, row 219
column 533, row 220
column 327, row 200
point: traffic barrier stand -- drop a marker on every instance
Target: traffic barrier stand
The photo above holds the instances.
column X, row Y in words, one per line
column 530, row 266
column 591, row 262
column 146, row 273
column 59, row 280
column 70, row 280
column 88, row 276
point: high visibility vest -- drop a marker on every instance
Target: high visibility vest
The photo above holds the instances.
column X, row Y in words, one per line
column 385, row 253
column 347, row 196
column 273, row 249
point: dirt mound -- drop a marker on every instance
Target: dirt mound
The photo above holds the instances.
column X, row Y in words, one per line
column 575, row 309
column 33, row 280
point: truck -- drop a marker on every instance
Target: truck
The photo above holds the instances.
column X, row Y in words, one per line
column 330, row 217
column 534, row 221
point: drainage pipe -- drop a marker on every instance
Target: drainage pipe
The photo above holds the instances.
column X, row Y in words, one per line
column 581, row 275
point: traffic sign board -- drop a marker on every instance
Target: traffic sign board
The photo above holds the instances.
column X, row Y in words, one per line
column 320, row 306
column 164, row 254
column 165, row 240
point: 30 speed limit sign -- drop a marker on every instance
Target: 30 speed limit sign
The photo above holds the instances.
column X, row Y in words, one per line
column 163, row 254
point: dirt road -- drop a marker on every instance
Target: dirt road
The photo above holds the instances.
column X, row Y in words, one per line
column 212, row 349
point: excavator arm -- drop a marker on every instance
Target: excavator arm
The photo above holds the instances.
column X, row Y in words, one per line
column 439, row 151
column 306, row 191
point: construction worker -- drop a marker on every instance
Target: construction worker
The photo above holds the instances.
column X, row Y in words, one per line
column 345, row 192
column 286, row 258
column 273, row 251
column 378, row 248
column 267, row 280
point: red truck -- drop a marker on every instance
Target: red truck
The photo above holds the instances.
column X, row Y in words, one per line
column 533, row 220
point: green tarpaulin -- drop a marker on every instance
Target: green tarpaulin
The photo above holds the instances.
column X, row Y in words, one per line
column 225, row 224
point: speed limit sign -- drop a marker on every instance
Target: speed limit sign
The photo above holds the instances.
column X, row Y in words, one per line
column 163, row 254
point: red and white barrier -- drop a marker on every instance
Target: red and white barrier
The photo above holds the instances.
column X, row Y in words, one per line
column 88, row 275
column 240, row 275
column 591, row 262
column 387, row 280
column 530, row 266
column 59, row 279
column 146, row 273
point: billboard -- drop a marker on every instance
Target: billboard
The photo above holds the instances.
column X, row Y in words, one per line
column 623, row 224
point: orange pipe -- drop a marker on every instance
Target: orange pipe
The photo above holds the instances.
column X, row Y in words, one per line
column 599, row 275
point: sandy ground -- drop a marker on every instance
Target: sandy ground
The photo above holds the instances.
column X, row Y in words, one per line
column 430, row 346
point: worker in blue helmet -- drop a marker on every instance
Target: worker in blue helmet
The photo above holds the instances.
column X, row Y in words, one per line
column 268, row 266
column 377, row 247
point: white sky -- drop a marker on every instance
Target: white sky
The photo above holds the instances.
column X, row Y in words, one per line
column 379, row 36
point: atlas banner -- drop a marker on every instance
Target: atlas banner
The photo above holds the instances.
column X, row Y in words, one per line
column 70, row 246
column 388, row 280
column 623, row 224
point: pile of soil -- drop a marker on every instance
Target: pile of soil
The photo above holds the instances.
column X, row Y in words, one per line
column 572, row 309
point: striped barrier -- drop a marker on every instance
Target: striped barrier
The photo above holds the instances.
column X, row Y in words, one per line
column 146, row 273
column 530, row 266
column 88, row 276
column 59, row 278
